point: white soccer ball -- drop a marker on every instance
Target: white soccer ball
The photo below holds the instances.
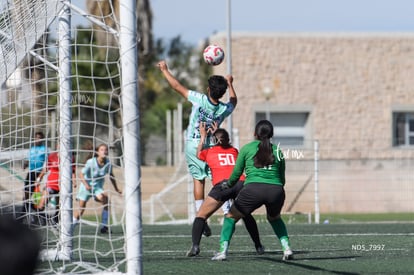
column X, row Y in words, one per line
column 213, row 55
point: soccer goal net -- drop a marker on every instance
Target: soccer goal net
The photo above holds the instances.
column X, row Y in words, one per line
column 62, row 69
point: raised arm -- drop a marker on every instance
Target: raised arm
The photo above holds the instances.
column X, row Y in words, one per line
column 232, row 92
column 203, row 136
column 204, row 131
column 172, row 81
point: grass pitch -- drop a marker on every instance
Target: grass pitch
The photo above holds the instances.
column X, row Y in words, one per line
column 336, row 248
column 327, row 248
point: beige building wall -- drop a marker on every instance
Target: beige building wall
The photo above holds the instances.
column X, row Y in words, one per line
column 349, row 83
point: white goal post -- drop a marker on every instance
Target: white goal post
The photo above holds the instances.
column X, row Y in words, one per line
column 57, row 78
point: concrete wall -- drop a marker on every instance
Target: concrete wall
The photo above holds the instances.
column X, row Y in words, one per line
column 350, row 84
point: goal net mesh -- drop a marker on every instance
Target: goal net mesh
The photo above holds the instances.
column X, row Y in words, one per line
column 29, row 101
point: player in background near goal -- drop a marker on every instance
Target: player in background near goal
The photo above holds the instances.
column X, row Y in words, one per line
column 221, row 159
column 205, row 108
column 35, row 162
column 50, row 194
column 92, row 179
column 264, row 166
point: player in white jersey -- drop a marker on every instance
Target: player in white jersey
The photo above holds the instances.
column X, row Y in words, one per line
column 93, row 179
column 206, row 108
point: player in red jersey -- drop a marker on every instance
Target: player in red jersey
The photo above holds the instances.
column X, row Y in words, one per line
column 221, row 159
column 52, row 188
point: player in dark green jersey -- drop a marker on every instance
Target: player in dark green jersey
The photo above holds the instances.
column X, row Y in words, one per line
column 264, row 166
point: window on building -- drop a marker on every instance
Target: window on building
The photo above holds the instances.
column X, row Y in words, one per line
column 403, row 129
column 291, row 128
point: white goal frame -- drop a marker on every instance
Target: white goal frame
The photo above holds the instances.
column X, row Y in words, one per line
column 128, row 51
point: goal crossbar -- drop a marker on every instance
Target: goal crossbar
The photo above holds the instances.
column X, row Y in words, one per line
column 29, row 21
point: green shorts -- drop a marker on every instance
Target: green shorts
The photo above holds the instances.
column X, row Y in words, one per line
column 85, row 195
column 198, row 169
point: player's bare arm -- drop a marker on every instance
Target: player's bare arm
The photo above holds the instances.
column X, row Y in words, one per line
column 232, row 92
column 74, row 184
column 172, row 81
column 203, row 136
column 114, row 184
column 204, row 131
column 213, row 127
column 85, row 183
column 41, row 175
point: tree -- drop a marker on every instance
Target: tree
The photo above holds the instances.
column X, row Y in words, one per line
column 155, row 96
column 108, row 12
column 96, row 91
column 33, row 69
column 186, row 62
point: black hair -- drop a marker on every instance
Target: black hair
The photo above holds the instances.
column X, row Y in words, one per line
column 89, row 147
column 95, row 154
column 218, row 86
column 40, row 134
column 222, row 138
column 264, row 133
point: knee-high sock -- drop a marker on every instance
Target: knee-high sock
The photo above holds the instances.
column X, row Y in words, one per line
column 280, row 230
column 198, row 204
column 229, row 225
column 251, row 227
column 197, row 231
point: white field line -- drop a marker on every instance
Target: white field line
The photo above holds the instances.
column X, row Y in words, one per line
column 293, row 235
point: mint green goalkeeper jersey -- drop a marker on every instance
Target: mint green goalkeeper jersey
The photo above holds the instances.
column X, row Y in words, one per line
column 203, row 110
column 272, row 174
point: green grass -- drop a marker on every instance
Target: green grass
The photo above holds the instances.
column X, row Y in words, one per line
column 330, row 248
column 334, row 248
column 368, row 217
column 328, row 217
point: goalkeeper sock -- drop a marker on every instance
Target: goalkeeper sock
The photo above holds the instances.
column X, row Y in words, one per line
column 105, row 216
column 280, row 230
column 224, row 246
column 227, row 231
column 284, row 241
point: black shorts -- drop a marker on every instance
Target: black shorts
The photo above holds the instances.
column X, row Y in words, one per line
column 51, row 191
column 30, row 181
column 254, row 195
column 226, row 194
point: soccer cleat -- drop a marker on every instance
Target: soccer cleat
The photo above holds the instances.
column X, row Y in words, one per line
column 194, row 251
column 287, row 254
column 220, row 256
column 260, row 250
column 105, row 230
column 207, row 230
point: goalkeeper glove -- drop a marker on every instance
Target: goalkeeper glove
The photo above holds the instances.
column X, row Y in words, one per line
column 224, row 185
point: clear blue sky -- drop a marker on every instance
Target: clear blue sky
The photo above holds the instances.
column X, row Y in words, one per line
column 195, row 20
